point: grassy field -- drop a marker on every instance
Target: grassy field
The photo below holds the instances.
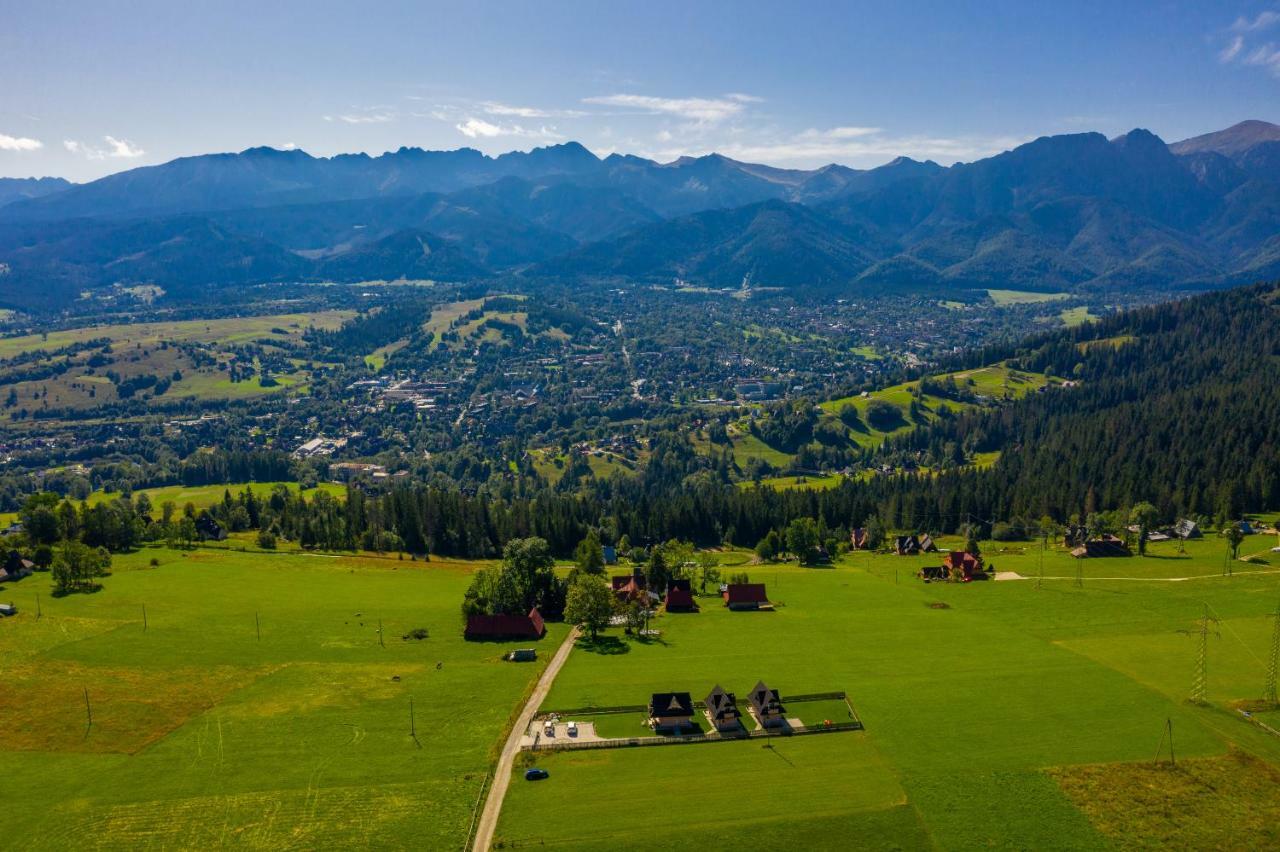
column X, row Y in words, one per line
column 1024, row 297
column 988, row 707
column 1021, row 714
column 151, row 349
column 205, row 736
column 225, row 331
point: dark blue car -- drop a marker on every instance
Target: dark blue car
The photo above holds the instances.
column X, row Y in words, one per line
column 536, row 774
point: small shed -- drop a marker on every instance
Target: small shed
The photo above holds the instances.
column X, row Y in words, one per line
column 927, row 545
column 858, row 539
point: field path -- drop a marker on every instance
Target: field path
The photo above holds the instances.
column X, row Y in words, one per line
column 502, row 774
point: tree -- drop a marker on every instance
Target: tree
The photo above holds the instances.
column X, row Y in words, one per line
column 875, row 533
column 266, row 540
column 589, row 604
column 590, row 554
column 971, row 539
column 708, row 572
column 1143, row 515
column 77, row 565
column 802, row 540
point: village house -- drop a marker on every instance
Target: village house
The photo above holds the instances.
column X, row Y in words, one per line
column 631, row 586
column 1187, row 528
column 722, row 710
column 680, row 597
column 906, row 545
column 963, row 566
column 1096, row 548
column 745, row 596
column 16, row 567
column 494, row 627
column 671, row 711
column 766, row 706
column 859, row 540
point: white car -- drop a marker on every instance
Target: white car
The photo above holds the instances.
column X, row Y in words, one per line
column 549, row 729
column 571, row 729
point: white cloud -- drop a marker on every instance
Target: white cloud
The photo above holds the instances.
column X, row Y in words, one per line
column 840, row 133
column 478, row 128
column 289, row 146
column 857, row 146
column 1266, row 56
column 695, row 109
column 19, row 143
column 1264, row 20
column 1232, row 50
column 362, row 118
column 1238, row 47
column 122, row 148
column 497, row 108
column 116, row 148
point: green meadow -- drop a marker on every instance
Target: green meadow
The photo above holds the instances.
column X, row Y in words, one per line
column 256, row 704
column 1011, row 714
column 256, row 707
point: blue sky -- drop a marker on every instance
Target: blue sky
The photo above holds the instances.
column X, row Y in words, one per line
column 91, row 88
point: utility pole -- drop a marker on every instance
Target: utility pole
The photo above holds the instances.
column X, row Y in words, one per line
column 1199, row 682
column 1079, row 573
column 88, row 712
column 1167, row 732
column 1269, row 693
column 381, row 641
column 257, row 626
column 144, row 618
column 38, row 613
column 1044, row 541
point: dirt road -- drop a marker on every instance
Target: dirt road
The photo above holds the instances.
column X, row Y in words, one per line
column 502, row 774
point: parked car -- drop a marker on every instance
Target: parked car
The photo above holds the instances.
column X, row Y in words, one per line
column 549, row 729
column 8, row 609
column 536, row 774
column 572, row 729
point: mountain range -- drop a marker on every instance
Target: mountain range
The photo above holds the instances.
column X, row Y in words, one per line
column 1075, row 212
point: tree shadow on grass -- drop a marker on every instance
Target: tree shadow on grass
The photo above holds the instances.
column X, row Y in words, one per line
column 609, row 646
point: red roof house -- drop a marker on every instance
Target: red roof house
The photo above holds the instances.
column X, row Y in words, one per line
column 680, row 600
column 745, row 596
column 528, row 626
column 962, row 565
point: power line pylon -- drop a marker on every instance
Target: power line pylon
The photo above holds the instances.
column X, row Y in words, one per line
column 1199, row 683
column 1269, row 692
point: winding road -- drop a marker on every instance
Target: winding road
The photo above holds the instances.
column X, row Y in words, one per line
column 502, row 773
